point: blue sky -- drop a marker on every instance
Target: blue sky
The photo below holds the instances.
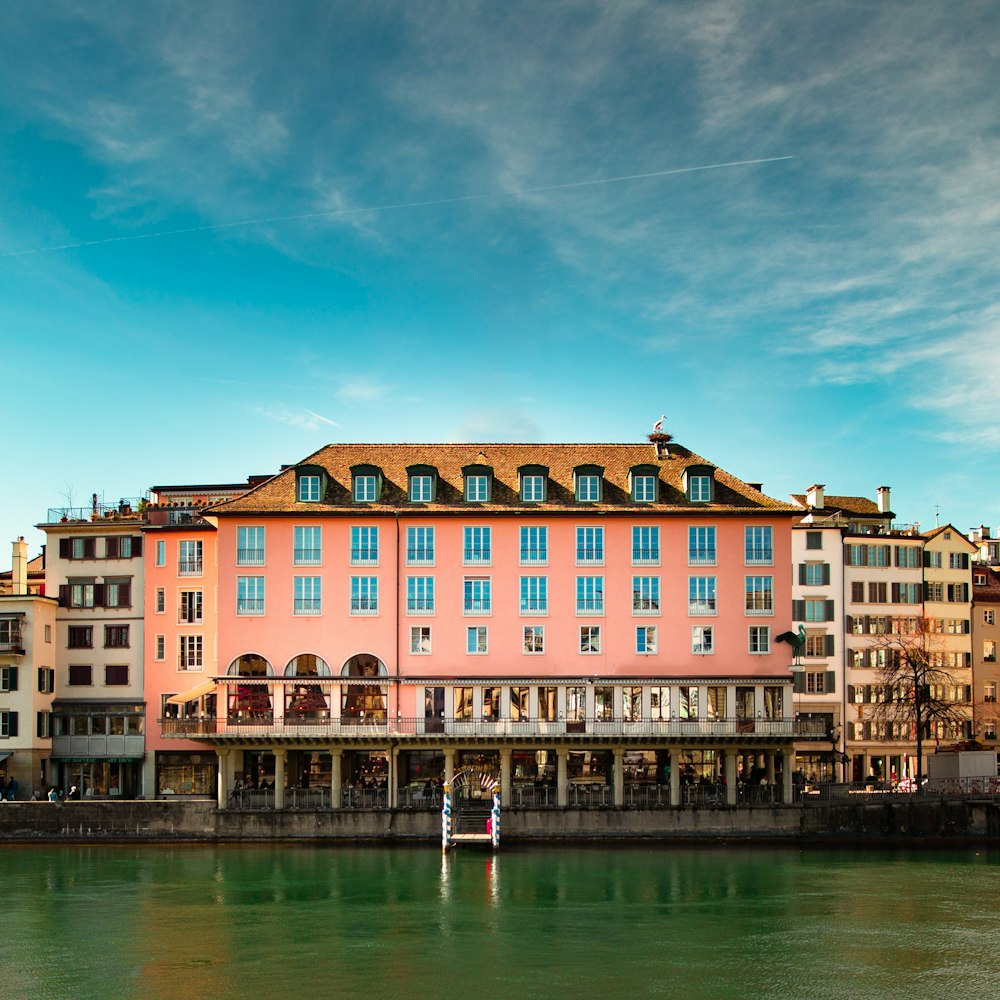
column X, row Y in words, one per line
column 309, row 222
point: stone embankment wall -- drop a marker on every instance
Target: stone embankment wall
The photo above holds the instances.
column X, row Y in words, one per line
column 911, row 821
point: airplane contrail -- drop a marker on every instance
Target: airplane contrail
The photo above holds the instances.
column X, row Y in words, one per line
column 392, row 207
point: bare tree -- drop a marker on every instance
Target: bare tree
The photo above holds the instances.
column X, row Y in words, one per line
column 916, row 691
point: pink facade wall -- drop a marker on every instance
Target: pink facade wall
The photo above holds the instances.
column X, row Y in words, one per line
column 336, row 635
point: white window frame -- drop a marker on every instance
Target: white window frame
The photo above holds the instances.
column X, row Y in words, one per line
column 307, row 555
column 420, row 640
column 307, row 489
column 643, row 488
column 420, row 595
column 645, row 595
column 702, row 596
column 364, row 545
column 477, row 488
column 590, row 545
column 250, row 596
column 533, row 636
column 477, row 596
column 421, row 488
column 532, row 488
column 161, row 552
column 533, row 545
column 477, row 640
column 250, row 545
column 758, row 545
column 703, row 640
column 534, row 595
column 590, row 640
column 191, row 653
column 420, row 545
column 477, row 545
column 590, row 595
column 699, row 489
column 758, row 595
column 192, row 564
column 702, row 545
column 646, row 640
column 364, row 488
column 307, row 595
column 645, row 545
column 587, row 487
column 754, row 634
column 364, row 596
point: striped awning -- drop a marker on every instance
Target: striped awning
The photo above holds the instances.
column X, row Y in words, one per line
column 208, row 687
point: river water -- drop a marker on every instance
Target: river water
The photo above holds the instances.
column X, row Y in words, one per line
column 550, row 922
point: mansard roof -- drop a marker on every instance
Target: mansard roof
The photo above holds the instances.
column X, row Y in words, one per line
column 278, row 495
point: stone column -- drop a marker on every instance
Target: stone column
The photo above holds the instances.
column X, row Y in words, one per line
column 769, row 766
column 393, row 792
column 788, row 762
column 449, row 765
column 505, row 776
column 279, row 778
column 731, row 759
column 675, row 777
column 222, row 789
column 562, row 777
column 618, row 778
column 336, row 778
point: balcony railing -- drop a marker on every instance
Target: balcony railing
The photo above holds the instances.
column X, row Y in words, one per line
column 264, row 724
column 364, row 605
column 589, row 606
column 249, row 606
column 189, row 567
column 529, row 556
column 759, row 557
column 416, row 556
column 588, row 557
column 308, row 557
column 476, row 556
column 645, row 556
column 367, row 556
column 476, row 607
column 249, row 557
column 701, row 557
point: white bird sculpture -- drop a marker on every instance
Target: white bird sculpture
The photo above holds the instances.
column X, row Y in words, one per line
column 658, row 426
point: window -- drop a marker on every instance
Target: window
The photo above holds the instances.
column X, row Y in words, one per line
column 189, row 607
column 189, row 561
column 534, row 546
column 534, row 595
column 364, row 546
column 116, row 636
column 816, row 610
column 814, row 539
column 645, row 595
column 759, row 546
column 590, row 638
column 687, row 702
column 421, row 489
column 989, row 651
column 308, row 489
column 46, row 680
column 701, row 546
column 477, row 488
column 990, row 692
column 161, row 552
column 932, row 560
column 365, row 488
column 604, row 704
column 364, row 595
column 699, row 489
column 476, row 639
column 116, row 675
column 8, row 724
column 8, row 679
column 81, row 593
column 958, row 560
column 759, row 639
column 702, row 639
column 934, row 592
column 759, row 595
column 979, row 579
column 906, row 593
column 519, row 704
column 118, row 593
column 643, row 488
column 249, row 595
column 160, row 649
column 419, row 546
column 815, row 682
column 817, row 645
column 814, row 574
column 701, row 595
column 43, row 725
column 189, row 652
column 989, row 616
column 420, row 595
column 547, row 704
column 590, row 595
column 588, row 488
column 659, row 703
column 77, row 548
column 532, row 488
column 160, row 601
column 632, row 703
column 645, row 546
column 308, row 595
column 48, row 633
column 80, row 637
column 476, row 595
column 867, row 555
column 645, row 639
column 420, row 639
column 81, row 675
column 307, row 546
column 589, row 546
column 249, row 546
column 533, row 639
column 476, row 549
column 907, row 556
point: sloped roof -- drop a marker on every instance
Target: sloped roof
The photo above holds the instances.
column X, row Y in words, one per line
column 989, row 592
column 935, row 532
column 277, row 495
column 861, row 506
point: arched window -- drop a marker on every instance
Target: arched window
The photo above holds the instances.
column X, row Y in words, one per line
column 250, row 702
column 364, row 702
column 307, row 702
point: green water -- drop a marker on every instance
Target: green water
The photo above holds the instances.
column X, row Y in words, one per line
column 553, row 922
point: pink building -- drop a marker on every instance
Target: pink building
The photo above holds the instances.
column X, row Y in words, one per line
column 590, row 623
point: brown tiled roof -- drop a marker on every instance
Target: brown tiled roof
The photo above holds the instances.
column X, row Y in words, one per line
column 989, row 592
column 849, row 505
column 934, row 532
column 277, row 495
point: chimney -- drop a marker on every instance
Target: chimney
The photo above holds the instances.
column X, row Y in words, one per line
column 814, row 496
column 884, row 506
column 19, row 568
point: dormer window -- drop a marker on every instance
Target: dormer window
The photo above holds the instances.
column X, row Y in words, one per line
column 699, row 483
column 644, row 483
column 366, row 484
column 422, row 484
column 478, row 483
column 533, row 483
column 310, row 484
column 588, row 480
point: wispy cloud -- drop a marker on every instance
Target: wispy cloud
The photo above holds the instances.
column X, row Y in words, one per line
column 298, row 417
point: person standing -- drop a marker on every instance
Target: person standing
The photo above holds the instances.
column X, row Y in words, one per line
column 53, row 794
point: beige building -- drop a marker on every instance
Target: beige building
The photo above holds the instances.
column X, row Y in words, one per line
column 985, row 643
column 27, row 675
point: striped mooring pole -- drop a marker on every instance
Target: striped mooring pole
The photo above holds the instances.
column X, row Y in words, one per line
column 446, row 818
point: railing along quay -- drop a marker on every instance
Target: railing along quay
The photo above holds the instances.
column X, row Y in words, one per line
column 367, row 728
